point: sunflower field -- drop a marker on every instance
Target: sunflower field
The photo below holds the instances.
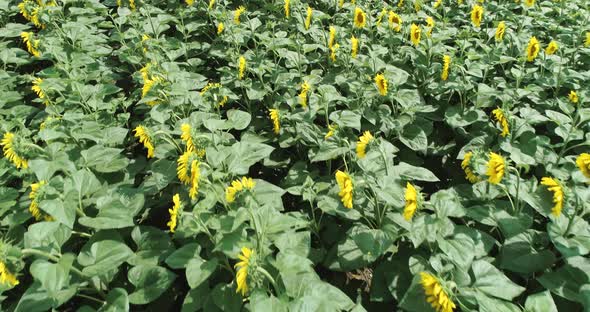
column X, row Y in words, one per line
column 295, row 155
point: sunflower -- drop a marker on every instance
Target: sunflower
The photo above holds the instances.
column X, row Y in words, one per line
column 415, row 34
column 242, row 273
column 411, row 198
column 331, row 130
column 476, row 15
column 32, row 45
column 187, row 137
column 501, row 118
column 551, row 48
column 436, row 295
column 583, row 162
column 430, row 25
column 529, row 3
column 381, row 83
column 8, row 144
column 287, row 8
column 308, row 17
column 332, row 38
column 241, row 67
column 532, row 49
column 274, row 117
column 466, row 165
column 220, row 28
column 395, row 21
column 500, row 30
column 361, row 145
column 496, row 167
column 6, row 277
column 345, row 185
column 446, row 67
column 237, row 13
column 142, row 133
column 237, row 186
column 303, row 96
column 360, row 19
column 174, row 213
column 354, row 42
column 573, row 97
column 554, row 186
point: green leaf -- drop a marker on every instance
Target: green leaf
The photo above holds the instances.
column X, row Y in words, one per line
column 180, row 258
column 409, row 172
column 150, row 282
column 238, row 119
column 489, row 280
column 225, row 298
column 117, row 301
column 460, row 249
column 567, row 280
column 346, row 119
column 104, row 159
column 540, row 302
column 414, row 137
column 53, row 276
column 112, row 214
column 85, row 182
column 47, row 235
column 104, row 252
column 63, row 212
column 198, row 270
column 526, row 253
column 328, row 150
column 245, row 154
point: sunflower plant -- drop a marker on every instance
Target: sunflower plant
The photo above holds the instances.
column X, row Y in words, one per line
column 294, row 155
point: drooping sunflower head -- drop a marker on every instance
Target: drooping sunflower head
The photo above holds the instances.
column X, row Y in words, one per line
column 6, row 276
column 446, row 67
column 142, row 133
column 476, row 15
column 411, row 197
column 187, row 137
column 11, row 149
column 185, row 164
column 362, row 143
column 346, row 188
column 435, row 293
column 500, row 30
column 220, row 28
column 529, row 3
column 238, row 186
column 587, row 41
column 308, row 17
column 430, row 25
column 583, row 162
column 241, row 67
column 237, row 13
column 552, row 48
column 533, row 49
column 174, row 211
column 275, row 118
column 354, row 42
column 331, row 130
column 496, row 167
column 501, row 118
column 554, row 186
column 332, row 38
column 415, row 34
column 395, row 21
column 381, row 83
column 303, row 94
column 243, row 267
column 466, row 164
column 360, row 18
column 573, row 97
column 287, row 8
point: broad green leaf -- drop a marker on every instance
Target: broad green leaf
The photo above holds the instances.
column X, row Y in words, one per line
column 117, row 301
column 105, row 251
column 150, row 282
column 198, row 270
column 540, row 302
column 489, row 280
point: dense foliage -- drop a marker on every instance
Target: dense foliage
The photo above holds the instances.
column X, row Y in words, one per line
column 283, row 155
